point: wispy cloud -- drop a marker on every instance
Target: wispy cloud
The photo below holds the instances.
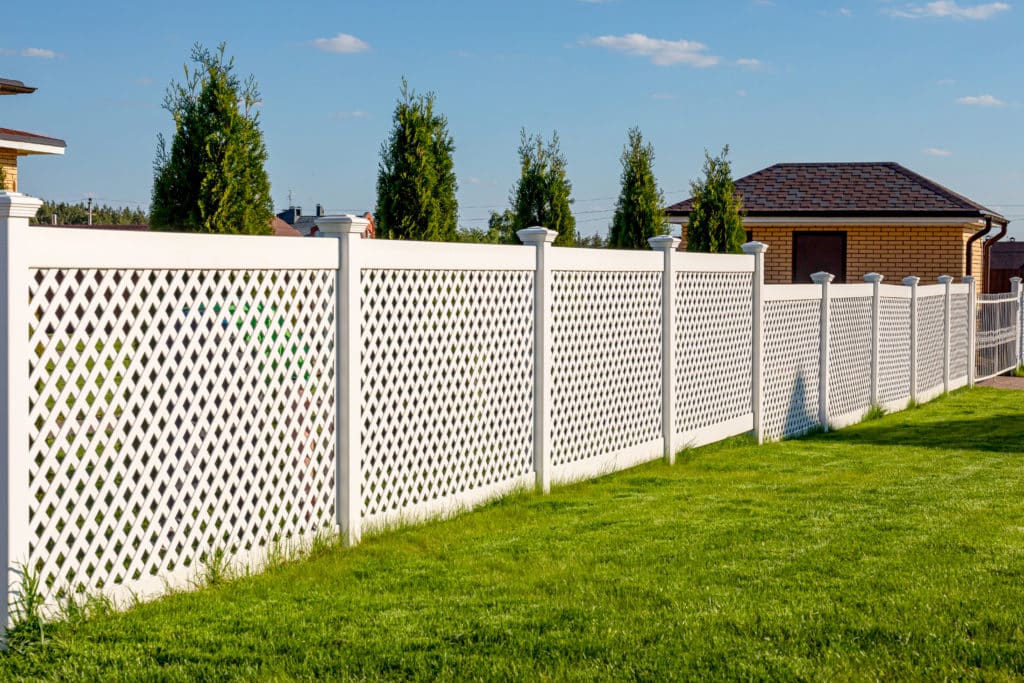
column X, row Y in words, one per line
column 350, row 115
column 144, row 81
column 664, row 96
column 748, row 63
column 343, row 42
column 661, row 52
column 936, row 152
column 945, row 81
column 845, row 12
column 981, row 101
column 741, row 93
column 36, row 52
column 949, row 9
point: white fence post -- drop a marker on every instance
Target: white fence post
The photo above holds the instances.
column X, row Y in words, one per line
column 15, row 210
column 1015, row 287
column 667, row 244
column 911, row 281
column 757, row 249
column 972, row 328
column 824, row 279
column 348, row 459
column 541, row 238
column 876, row 313
column 947, row 329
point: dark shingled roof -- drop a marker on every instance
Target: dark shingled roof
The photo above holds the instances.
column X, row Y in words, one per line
column 858, row 189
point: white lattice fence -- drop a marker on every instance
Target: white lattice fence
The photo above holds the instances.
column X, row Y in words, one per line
column 447, row 387
column 931, row 331
column 960, row 338
column 606, row 368
column 712, row 343
column 173, row 412
column 894, row 351
column 849, row 343
column 792, row 337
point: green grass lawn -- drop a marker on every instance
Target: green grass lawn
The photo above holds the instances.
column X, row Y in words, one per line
column 890, row 550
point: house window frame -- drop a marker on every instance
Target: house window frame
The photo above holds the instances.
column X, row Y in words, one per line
column 840, row 278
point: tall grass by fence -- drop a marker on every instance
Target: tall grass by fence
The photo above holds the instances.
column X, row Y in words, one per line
column 170, row 398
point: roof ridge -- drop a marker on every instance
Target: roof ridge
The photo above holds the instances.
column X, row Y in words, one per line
column 942, row 189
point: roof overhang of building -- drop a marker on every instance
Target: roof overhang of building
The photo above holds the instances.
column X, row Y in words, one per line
column 972, row 222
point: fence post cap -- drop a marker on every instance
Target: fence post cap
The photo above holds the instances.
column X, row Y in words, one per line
column 341, row 224
column 945, row 279
column 911, row 280
column 18, row 205
column 822, row 278
column 664, row 243
column 536, row 235
column 874, row 278
column 967, row 279
column 1016, row 279
column 754, row 248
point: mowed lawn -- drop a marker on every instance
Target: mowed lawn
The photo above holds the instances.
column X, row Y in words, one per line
column 890, row 550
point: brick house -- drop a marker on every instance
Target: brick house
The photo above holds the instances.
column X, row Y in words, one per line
column 19, row 143
column 854, row 218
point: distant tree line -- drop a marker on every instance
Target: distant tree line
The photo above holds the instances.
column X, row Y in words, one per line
column 78, row 214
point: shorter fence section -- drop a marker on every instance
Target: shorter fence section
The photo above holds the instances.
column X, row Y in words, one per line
column 999, row 332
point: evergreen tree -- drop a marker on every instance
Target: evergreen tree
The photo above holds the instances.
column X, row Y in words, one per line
column 416, row 181
column 213, row 177
column 640, row 212
column 716, row 213
column 543, row 195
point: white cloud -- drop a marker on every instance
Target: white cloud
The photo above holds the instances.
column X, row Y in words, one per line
column 662, row 52
column 936, row 152
column 752, row 64
column 845, row 11
column 945, row 81
column 981, row 101
column 37, row 52
column 949, row 8
column 343, row 42
column 144, row 81
column 741, row 93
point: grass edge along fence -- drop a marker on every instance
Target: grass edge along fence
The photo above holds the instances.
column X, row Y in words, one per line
column 252, row 393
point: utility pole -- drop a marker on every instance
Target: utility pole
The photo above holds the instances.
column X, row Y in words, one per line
column 90, row 210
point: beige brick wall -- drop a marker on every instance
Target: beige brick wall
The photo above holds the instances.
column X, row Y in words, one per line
column 9, row 162
column 927, row 251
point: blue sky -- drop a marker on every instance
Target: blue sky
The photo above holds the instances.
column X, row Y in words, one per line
column 936, row 86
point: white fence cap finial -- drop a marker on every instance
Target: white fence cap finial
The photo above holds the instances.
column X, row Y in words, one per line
column 874, row 278
column 911, row 280
column 18, row 205
column 945, row 279
column 821, row 277
column 536, row 235
column 664, row 243
column 330, row 226
column 754, row 248
column 967, row 279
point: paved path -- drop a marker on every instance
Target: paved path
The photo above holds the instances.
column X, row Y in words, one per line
column 1004, row 383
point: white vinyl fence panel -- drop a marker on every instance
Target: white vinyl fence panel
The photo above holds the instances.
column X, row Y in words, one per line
column 171, row 397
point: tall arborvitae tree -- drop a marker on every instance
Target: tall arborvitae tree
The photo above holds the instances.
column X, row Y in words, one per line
column 716, row 215
column 416, row 181
column 213, row 177
column 543, row 195
column 640, row 212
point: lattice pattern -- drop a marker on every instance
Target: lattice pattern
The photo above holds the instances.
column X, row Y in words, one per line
column 606, row 362
column 893, row 350
column 849, row 356
column 712, row 347
column 792, row 338
column 447, row 384
column 173, row 413
column 959, row 354
column 931, row 321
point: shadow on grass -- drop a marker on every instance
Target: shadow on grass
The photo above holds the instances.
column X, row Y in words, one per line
column 999, row 430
